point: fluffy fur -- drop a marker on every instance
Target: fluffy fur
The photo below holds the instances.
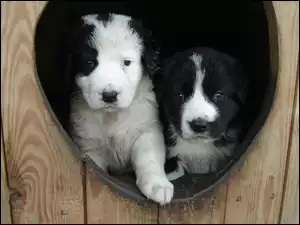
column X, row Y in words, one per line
column 201, row 95
column 113, row 109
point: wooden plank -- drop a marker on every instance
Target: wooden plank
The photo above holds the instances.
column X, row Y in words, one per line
column 290, row 203
column 42, row 171
column 5, row 206
column 254, row 193
column 205, row 210
column 105, row 206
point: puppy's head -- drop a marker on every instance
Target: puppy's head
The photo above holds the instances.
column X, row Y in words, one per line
column 108, row 55
column 202, row 91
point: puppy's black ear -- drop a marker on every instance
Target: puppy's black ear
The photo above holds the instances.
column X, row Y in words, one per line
column 76, row 37
column 243, row 83
column 150, row 55
column 161, row 76
column 64, row 52
column 240, row 76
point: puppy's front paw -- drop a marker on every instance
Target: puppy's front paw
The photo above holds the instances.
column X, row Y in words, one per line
column 156, row 187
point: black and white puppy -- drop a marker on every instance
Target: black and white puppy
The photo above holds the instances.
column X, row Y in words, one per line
column 201, row 94
column 114, row 113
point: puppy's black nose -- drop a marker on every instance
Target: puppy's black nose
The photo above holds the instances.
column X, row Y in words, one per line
column 109, row 96
column 198, row 125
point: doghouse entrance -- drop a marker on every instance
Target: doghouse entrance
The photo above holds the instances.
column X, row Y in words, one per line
column 239, row 29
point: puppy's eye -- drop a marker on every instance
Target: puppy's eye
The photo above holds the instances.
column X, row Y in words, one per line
column 127, row 62
column 218, row 97
column 90, row 64
column 181, row 96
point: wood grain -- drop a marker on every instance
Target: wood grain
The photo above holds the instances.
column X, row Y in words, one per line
column 46, row 180
column 254, row 193
column 5, row 206
column 290, row 202
column 43, row 174
column 105, row 206
column 205, row 210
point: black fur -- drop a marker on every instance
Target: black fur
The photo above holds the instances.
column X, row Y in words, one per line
column 150, row 55
column 174, row 84
column 78, row 52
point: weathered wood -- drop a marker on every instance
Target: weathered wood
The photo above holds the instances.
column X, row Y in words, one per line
column 105, row 206
column 42, row 171
column 5, row 206
column 46, row 179
column 254, row 193
column 290, row 199
column 206, row 210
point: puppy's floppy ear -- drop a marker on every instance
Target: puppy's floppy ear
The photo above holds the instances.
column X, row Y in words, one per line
column 150, row 55
column 240, row 76
column 158, row 85
column 76, row 37
column 65, row 49
column 243, row 83
column 160, row 77
column 70, row 46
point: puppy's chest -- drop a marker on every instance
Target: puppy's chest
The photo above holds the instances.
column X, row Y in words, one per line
column 195, row 156
column 190, row 150
column 113, row 132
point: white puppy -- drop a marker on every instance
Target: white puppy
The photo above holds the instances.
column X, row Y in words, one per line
column 113, row 109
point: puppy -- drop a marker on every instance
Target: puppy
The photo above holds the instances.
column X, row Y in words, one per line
column 201, row 94
column 114, row 114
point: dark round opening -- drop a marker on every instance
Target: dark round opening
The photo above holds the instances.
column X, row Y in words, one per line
column 241, row 29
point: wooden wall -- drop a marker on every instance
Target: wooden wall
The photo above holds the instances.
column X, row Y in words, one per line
column 42, row 181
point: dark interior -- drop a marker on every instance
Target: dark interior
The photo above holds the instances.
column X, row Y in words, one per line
column 238, row 28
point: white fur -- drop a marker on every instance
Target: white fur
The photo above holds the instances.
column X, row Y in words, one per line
column 115, row 43
column 198, row 106
column 196, row 156
column 128, row 132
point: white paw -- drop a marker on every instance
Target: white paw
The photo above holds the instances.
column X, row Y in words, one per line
column 156, row 187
